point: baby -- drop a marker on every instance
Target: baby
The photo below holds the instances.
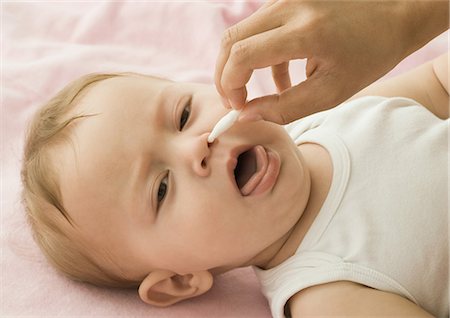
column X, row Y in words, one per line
column 123, row 189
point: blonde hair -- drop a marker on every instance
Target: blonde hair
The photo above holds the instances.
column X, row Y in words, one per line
column 52, row 227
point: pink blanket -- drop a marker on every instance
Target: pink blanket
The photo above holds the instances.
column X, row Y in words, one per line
column 45, row 45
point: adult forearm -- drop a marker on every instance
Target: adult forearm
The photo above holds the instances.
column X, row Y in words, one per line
column 422, row 21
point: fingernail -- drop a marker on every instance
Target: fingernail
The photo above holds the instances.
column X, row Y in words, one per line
column 245, row 118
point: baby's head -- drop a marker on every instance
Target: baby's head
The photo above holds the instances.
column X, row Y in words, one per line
column 122, row 188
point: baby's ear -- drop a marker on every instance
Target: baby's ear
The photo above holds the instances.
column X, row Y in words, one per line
column 164, row 288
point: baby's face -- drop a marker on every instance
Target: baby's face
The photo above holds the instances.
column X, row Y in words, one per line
column 144, row 184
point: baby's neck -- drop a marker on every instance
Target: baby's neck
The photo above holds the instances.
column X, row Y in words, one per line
column 320, row 168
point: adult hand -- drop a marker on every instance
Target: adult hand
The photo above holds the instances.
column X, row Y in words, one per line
column 348, row 45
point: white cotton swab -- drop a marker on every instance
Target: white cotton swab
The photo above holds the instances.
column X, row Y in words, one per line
column 224, row 124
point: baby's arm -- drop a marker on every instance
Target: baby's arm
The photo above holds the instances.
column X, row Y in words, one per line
column 427, row 84
column 346, row 299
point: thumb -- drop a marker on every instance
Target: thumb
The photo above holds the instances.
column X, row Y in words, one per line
column 308, row 97
column 261, row 109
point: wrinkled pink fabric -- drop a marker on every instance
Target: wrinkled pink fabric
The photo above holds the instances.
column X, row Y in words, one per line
column 47, row 44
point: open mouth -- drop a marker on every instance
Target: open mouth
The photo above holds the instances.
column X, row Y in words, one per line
column 245, row 168
column 256, row 170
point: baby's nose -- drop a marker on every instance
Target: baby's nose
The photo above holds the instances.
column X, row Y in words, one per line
column 200, row 155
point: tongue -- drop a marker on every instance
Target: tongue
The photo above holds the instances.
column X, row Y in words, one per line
column 261, row 167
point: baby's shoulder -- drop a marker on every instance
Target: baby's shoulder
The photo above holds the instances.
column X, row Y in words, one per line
column 349, row 298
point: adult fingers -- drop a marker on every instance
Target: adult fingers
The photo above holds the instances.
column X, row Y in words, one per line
column 261, row 21
column 296, row 102
column 261, row 50
column 280, row 74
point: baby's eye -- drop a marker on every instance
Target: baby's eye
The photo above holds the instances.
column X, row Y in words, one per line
column 162, row 189
column 185, row 114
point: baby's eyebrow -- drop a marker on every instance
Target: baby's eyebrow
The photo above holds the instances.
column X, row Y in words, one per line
column 135, row 189
column 160, row 101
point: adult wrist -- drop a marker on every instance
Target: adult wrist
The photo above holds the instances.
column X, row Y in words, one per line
column 420, row 22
